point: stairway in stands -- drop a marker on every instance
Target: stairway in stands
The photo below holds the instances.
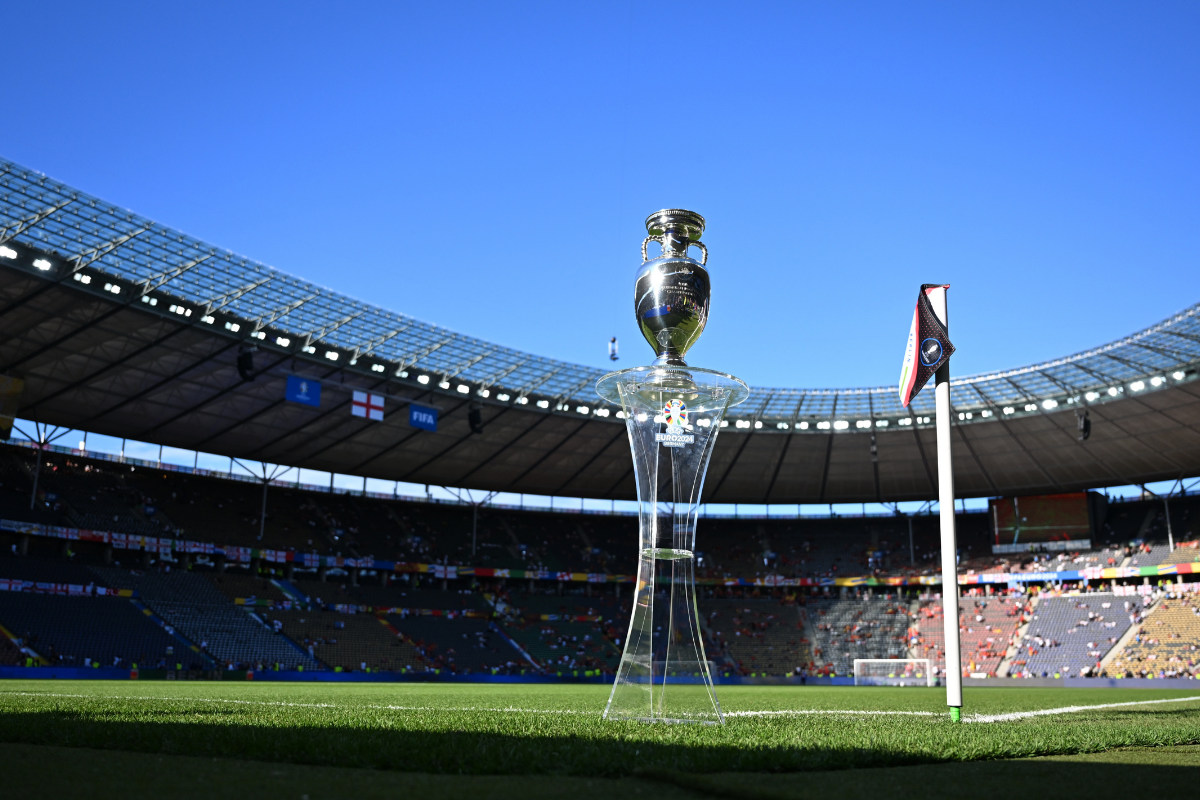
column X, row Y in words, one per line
column 200, row 612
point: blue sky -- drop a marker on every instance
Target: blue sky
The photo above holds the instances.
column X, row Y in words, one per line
column 488, row 166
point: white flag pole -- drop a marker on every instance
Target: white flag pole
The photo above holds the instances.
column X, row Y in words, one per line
column 937, row 299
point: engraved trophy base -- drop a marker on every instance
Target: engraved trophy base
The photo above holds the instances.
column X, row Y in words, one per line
column 673, row 416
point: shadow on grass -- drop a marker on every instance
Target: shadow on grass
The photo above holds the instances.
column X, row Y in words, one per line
column 611, row 749
column 623, row 749
column 1100, row 775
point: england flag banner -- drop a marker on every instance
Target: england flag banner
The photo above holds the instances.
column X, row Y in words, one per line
column 928, row 346
column 367, row 405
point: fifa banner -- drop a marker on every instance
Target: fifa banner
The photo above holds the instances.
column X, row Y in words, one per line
column 928, row 346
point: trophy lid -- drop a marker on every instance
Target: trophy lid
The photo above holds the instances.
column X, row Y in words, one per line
column 688, row 223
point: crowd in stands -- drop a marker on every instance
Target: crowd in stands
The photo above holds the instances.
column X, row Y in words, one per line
column 845, row 630
column 197, row 612
column 1165, row 642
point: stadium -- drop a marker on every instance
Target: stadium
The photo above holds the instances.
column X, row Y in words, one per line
column 122, row 568
column 258, row 536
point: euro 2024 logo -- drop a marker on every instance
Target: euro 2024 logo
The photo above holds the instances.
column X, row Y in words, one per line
column 675, row 414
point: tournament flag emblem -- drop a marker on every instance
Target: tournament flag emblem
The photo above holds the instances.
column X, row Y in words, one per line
column 303, row 390
column 928, row 346
column 368, row 405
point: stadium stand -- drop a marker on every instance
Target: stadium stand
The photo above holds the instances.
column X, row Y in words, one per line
column 757, row 636
column 10, row 654
column 1185, row 553
column 1165, row 644
column 82, row 631
column 349, row 642
column 457, row 644
column 47, row 570
column 567, row 632
column 190, row 603
column 197, row 595
column 1069, row 635
column 246, row 587
column 560, row 645
column 987, row 627
column 848, row 629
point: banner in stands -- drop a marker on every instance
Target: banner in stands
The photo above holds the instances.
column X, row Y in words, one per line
column 72, row 589
column 244, row 555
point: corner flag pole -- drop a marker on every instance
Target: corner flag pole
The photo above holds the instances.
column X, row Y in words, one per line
column 937, row 299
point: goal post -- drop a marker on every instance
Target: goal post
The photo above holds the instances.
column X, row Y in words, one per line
column 893, row 672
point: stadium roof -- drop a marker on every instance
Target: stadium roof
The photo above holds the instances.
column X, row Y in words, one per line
column 126, row 327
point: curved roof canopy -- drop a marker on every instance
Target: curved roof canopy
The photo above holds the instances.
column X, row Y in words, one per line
column 127, row 327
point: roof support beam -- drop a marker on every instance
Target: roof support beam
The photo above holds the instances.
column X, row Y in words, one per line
column 925, row 460
column 166, row 276
column 503, row 448
column 787, row 441
column 20, row 226
column 165, row 381
column 546, row 455
column 825, row 470
column 220, row 393
column 620, row 435
column 92, row 255
column 453, row 445
column 987, row 477
column 194, row 321
column 316, row 418
column 736, row 456
column 1004, row 424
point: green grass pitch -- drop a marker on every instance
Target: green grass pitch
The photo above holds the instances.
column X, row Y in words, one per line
column 535, row 740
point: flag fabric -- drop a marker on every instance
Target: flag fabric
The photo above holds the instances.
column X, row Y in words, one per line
column 369, row 406
column 928, row 346
column 303, row 390
column 422, row 417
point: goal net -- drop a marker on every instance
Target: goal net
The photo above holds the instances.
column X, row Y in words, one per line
column 893, row 672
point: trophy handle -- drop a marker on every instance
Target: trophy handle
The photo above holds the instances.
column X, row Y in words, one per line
column 647, row 241
column 659, row 239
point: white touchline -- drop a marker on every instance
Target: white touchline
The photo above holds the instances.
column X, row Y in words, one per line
column 510, row 709
column 170, row 699
column 1045, row 712
column 1015, row 715
column 799, row 712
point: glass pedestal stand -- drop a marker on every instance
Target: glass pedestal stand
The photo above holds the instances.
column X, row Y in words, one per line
column 673, row 415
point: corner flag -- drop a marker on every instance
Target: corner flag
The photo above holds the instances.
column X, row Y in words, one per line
column 927, row 355
column 928, row 346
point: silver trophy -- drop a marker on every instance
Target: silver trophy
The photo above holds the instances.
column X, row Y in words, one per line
column 673, row 414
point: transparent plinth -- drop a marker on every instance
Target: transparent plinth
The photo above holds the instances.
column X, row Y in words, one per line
column 673, row 416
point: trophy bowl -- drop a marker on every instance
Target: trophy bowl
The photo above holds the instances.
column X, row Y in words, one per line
column 672, row 292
